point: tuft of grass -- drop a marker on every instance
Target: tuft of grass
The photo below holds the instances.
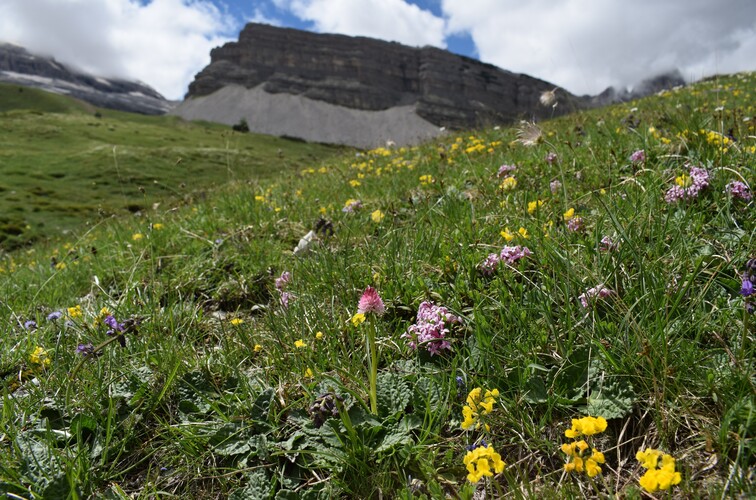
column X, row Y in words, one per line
column 201, row 373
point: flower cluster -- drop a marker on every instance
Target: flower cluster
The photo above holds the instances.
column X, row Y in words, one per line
column 688, row 186
column 660, row 474
column 592, row 294
column 430, row 328
column 581, row 457
column 586, row 426
column 555, row 186
column 477, row 406
column 371, row 302
column 40, row 358
column 580, row 461
column 483, row 461
column 509, row 255
column 738, row 190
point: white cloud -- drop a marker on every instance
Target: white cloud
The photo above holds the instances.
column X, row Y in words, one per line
column 587, row 45
column 393, row 20
column 163, row 42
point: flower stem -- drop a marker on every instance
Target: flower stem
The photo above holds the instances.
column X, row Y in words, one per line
column 373, row 369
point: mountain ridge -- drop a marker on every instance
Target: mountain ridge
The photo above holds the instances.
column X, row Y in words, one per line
column 21, row 67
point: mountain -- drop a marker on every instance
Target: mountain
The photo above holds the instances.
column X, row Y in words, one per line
column 356, row 90
column 19, row 66
column 643, row 88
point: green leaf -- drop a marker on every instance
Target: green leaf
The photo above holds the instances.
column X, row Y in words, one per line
column 393, row 393
column 229, row 440
column 610, row 397
column 261, row 406
column 258, row 486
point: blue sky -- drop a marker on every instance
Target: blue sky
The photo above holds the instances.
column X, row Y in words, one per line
column 582, row 46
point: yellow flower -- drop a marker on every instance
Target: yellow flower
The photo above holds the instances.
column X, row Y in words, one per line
column 683, row 181
column 508, row 236
column 60, row 266
column 259, row 198
column 237, row 321
column 299, row 344
column 481, row 462
column 157, row 226
column 354, row 183
column 137, row 236
column 40, row 358
column 658, row 476
column 308, row 373
column 75, row 312
column 579, row 462
column 377, row 216
column 508, row 184
column 586, row 426
column 319, row 335
column 477, row 406
column 358, row 319
column 569, row 214
column 523, row 232
column 258, row 348
column 534, row 205
column 426, row 179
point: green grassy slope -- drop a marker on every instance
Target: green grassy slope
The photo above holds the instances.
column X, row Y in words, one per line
column 173, row 355
column 64, row 163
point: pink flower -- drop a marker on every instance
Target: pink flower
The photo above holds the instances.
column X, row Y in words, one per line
column 371, row 302
column 638, row 156
column 607, row 244
column 551, row 158
column 555, row 185
column 592, row 294
column 738, row 189
column 430, row 329
column 283, row 281
column 506, row 169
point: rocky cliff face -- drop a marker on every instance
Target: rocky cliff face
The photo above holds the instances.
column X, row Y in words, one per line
column 446, row 90
column 18, row 66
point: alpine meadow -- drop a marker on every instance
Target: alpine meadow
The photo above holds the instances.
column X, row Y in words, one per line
column 559, row 309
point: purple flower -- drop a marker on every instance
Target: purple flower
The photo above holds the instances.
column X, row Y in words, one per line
column 352, row 205
column 551, row 158
column 554, row 186
column 54, row 316
column 674, row 194
column 488, row 266
column 505, row 169
column 285, row 298
column 592, row 294
column 85, row 350
column 30, row 325
column 638, row 156
column 738, row 190
column 114, row 325
column 688, row 186
column 283, row 281
column 607, row 244
column 430, row 328
column 746, row 288
column 575, row 224
column 510, row 255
